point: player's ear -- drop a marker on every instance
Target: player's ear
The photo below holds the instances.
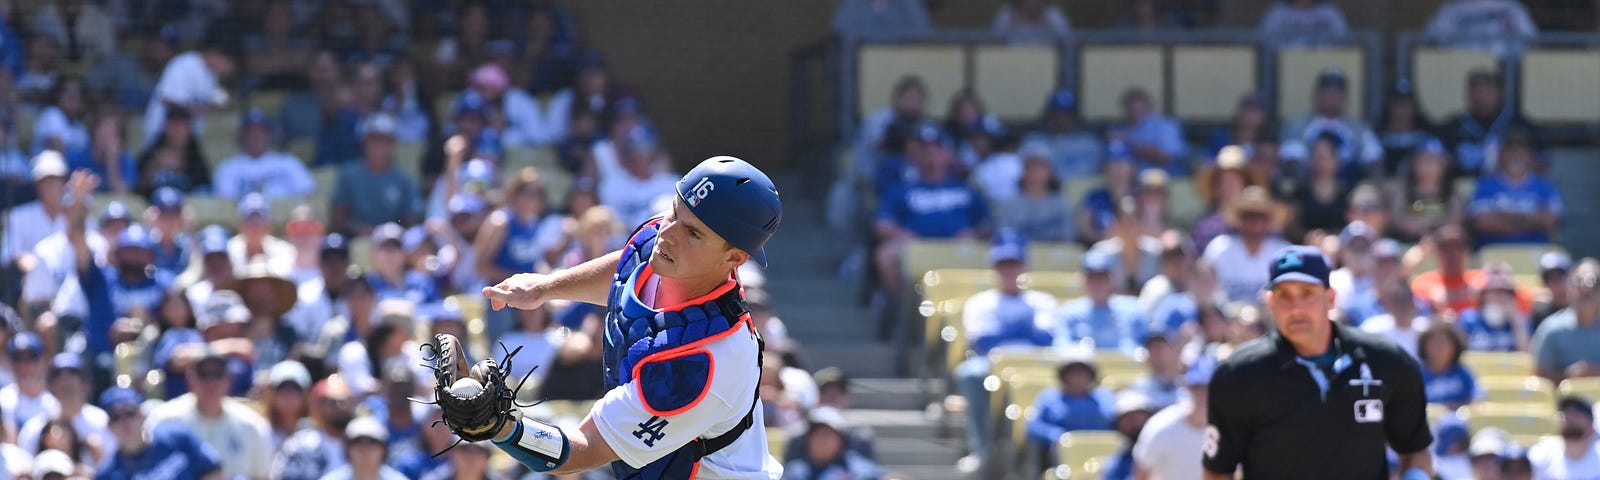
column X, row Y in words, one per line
column 735, row 257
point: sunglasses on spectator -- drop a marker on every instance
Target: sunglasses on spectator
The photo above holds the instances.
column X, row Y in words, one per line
column 122, row 413
column 212, row 373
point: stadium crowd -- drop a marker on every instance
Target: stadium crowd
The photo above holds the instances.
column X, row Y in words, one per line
column 149, row 332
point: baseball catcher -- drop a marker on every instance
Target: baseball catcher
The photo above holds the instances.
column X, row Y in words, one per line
column 682, row 360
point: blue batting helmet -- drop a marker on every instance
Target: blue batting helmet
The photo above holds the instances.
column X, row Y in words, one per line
column 736, row 200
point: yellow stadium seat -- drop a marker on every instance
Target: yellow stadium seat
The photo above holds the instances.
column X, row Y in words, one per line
column 922, row 256
column 1108, row 71
column 1063, row 285
column 1558, row 86
column 1587, row 387
column 1498, row 364
column 136, row 204
column 269, row 101
column 443, row 103
column 1214, row 78
column 1524, row 259
column 955, row 283
column 220, row 140
column 1079, row 446
column 1186, row 205
column 1116, row 361
column 408, row 158
column 1298, row 70
column 1439, row 75
column 1523, row 422
column 1055, row 256
column 777, row 441
column 209, row 210
column 1076, row 188
column 1014, row 80
column 1526, row 390
column 942, row 67
column 1022, row 392
column 361, row 252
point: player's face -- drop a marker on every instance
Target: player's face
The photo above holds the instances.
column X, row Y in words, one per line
column 687, row 249
column 1301, row 310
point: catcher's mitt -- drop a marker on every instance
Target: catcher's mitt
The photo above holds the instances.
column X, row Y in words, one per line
column 475, row 401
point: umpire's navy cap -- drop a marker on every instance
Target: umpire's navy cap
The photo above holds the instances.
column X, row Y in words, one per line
column 1299, row 263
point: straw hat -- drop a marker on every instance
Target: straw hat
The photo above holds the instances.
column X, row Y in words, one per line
column 1255, row 199
column 1230, row 159
column 284, row 293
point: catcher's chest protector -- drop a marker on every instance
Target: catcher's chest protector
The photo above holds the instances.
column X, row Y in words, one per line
column 660, row 349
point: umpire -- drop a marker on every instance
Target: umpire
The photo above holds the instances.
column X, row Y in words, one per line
column 1315, row 399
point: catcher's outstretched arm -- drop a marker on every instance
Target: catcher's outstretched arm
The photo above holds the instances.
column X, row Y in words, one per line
column 527, row 439
column 589, row 282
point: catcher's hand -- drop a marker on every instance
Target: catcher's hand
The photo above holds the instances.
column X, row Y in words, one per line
column 475, row 401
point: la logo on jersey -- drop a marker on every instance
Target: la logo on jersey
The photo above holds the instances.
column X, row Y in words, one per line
column 700, row 191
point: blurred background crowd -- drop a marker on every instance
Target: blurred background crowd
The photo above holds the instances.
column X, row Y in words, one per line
column 229, row 225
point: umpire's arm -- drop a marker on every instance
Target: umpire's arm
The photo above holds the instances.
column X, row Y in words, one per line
column 1407, row 428
column 1227, row 432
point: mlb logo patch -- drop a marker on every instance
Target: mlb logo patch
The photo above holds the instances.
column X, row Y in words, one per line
column 1369, row 411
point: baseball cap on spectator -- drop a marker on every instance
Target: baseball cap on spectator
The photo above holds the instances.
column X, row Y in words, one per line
column 1387, row 249
column 1554, row 261
column 1097, row 262
column 115, row 211
column 366, row 428
column 224, row 306
column 827, row 417
column 477, row 175
column 829, row 377
column 1035, row 150
column 500, row 48
column 1200, row 371
column 1332, row 78
column 167, row 199
column 213, row 239
column 379, row 124
column 1153, row 180
column 1357, row 230
column 992, row 126
column 1130, row 401
column 289, row 371
column 52, row 462
column 1488, row 441
column 1299, row 263
column 930, row 134
column 389, row 233
column 25, row 342
column 136, row 236
column 49, row 163
column 470, row 104
column 1118, row 151
column 210, row 355
column 1062, row 101
column 414, row 238
column 1008, row 247
column 463, row 203
column 255, row 118
column 1451, row 432
column 490, row 76
column 118, row 399
column 1078, row 359
column 334, row 245
column 1431, row 146
column 63, row 362
column 253, row 206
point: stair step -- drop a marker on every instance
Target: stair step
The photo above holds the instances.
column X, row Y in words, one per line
column 918, row 451
column 925, row 472
column 905, row 394
column 896, row 423
column 859, row 358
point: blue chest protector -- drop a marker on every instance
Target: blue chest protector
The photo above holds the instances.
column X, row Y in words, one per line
column 661, row 351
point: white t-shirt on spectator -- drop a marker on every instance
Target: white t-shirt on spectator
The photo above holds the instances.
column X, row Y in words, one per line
column 90, row 422
column 57, row 273
column 1242, row 274
column 39, row 225
column 185, row 81
column 634, row 199
column 240, row 435
column 1384, row 326
column 274, row 175
column 539, row 347
column 53, row 123
column 1549, row 459
column 19, row 408
column 1482, row 17
column 1169, row 447
column 999, row 177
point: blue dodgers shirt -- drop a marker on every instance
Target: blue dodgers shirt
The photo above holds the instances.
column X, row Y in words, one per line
column 172, row 454
column 1454, row 386
column 1495, row 193
column 110, row 298
column 1059, row 413
column 1119, row 324
column 934, row 210
column 1481, row 336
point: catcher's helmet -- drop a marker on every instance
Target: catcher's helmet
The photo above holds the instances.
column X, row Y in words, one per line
column 736, row 200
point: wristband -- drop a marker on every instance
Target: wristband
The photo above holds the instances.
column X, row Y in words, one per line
column 540, row 446
column 1416, row 474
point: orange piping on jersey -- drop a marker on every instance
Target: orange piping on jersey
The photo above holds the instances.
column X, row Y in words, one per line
column 695, row 472
column 644, row 274
column 680, row 352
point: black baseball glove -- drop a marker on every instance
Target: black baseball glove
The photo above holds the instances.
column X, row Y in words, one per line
column 473, row 416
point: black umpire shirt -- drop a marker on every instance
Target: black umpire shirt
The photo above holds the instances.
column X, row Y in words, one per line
column 1269, row 416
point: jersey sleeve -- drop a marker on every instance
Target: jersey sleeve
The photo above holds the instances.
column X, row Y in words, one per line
column 640, row 437
column 1227, row 431
column 1406, row 421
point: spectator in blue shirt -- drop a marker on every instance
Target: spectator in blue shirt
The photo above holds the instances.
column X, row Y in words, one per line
column 1099, row 209
column 127, row 287
column 933, row 205
column 1160, row 385
column 826, row 456
column 1515, row 204
column 1074, row 148
column 1101, row 318
column 168, row 448
column 174, row 246
column 1496, row 324
column 1007, row 316
column 391, row 277
column 1156, row 140
column 1080, row 404
column 1445, row 380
